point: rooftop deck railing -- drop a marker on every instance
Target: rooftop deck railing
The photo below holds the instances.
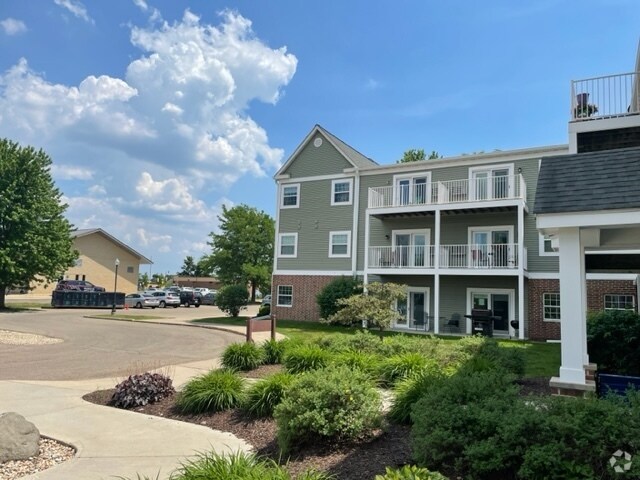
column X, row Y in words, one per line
column 605, row 97
column 485, row 189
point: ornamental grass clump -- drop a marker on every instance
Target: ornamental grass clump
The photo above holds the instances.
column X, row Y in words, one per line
column 242, row 356
column 409, row 390
column 410, row 472
column 306, row 357
column 401, row 366
column 214, row 391
column 273, row 351
column 365, row 362
column 141, row 389
column 336, row 404
column 240, row 466
column 263, row 396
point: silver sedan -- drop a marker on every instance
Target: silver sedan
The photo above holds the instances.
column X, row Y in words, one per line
column 141, row 300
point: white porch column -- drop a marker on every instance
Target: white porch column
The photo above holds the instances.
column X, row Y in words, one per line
column 521, row 305
column 436, row 276
column 573, row 311
column 366, row 248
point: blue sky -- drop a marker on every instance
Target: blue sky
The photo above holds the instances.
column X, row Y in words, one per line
column 156, row 113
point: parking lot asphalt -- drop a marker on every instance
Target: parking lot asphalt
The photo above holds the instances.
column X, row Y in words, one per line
column 95, row 348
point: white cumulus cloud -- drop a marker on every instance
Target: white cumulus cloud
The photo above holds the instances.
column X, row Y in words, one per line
column 11, row 26
column 70, row 172
column 76, row 8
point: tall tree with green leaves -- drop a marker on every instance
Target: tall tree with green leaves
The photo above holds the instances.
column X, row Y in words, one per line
column 188, row 267
column 242, row 253
column 35, row 237
column 417, row 155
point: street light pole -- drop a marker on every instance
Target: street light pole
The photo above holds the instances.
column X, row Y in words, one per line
column 115, row 287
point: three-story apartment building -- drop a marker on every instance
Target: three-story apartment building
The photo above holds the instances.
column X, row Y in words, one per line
column 458, row 232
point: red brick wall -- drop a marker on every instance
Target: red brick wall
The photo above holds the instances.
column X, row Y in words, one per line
column 305, row 289
column 596, row 290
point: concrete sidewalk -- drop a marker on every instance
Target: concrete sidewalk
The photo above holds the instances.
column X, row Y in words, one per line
column 112, row 442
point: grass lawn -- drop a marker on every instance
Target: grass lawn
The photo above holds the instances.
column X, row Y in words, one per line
column 22, row 306
column 542, row 359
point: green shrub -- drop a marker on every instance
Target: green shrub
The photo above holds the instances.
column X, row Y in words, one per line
column 613, row 341
column 341, row 287
column 273, row 351
column 362, row 341
column 231, row 299
column 238, row 466
column 212, row 392
column 333, row 404
column 410, row 473
column 242, row 356
column 141, row 389
column 408, row 391
column 264, row 310
column 401, row 366
column 305, row 357
column 460, row 412
column 264, row 395
column 490, row 355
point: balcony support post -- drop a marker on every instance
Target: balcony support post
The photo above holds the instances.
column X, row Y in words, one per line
column 436, row 276
column 520, row 260
column 366, row 247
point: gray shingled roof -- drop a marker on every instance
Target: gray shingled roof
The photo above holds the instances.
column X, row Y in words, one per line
column 358, row 159
column 583, row 182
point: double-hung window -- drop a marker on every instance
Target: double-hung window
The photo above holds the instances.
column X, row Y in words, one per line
column 288, row 245
column 619, row 302
column 290, row 196
column 339, row 244
column 285, row 296
column 551, row 307
column 341, row 192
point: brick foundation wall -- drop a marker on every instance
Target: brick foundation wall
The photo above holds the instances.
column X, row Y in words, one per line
column 305, row 289
column 596, row 290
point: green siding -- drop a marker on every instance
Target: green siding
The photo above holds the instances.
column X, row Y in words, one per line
column 313, row 221
column 454, row 229
column 313, row 161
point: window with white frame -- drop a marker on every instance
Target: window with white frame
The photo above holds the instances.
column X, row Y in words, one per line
column 341, row 192
column 285, row 295
column 339, row 244
column 545, row 247
column 288, row 245
column 619, row 302
column 551, row 307
column 290, row 196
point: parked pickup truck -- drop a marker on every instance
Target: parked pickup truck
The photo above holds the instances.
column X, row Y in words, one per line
column 189, row 297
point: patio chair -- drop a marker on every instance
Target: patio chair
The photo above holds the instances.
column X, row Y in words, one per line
column 453, row 324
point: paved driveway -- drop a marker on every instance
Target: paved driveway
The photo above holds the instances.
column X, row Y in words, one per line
column 93, row 348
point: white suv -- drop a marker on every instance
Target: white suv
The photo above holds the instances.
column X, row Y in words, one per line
column 167, row 299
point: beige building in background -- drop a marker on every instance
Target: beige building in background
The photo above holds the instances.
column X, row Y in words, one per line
column 96, row 262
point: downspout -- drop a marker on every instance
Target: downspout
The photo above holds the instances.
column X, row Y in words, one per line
column 356, row 216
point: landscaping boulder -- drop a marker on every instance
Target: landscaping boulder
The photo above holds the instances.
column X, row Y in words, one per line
column 19, row 439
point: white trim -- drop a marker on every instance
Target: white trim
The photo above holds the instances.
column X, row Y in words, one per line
column 288, row 180
column 466, row 160
column 289, row 185
column 295, row 244
column 490, row 168
column 278, row 296
column 317, row 273
column 340, row 255
column 554, row 221
column 604, row 301
column 333, row 192
column 490, row 291
column 543, row 275
column 275, row 243
column 589, row 276
column 490, row 229
column 544, row 305
column 541, row 251
column 411, row 176
column 354, row 227
column 633, row 251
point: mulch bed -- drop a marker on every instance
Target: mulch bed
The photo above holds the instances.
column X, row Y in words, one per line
column 389, row 447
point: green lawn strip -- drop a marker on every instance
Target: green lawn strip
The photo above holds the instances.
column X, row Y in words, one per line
column 129, row 317
column 21, row 306
column 542, row 359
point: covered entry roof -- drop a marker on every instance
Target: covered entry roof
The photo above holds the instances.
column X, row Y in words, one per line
column 596, row 181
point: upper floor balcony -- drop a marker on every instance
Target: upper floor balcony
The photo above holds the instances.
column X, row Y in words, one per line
column 416, row 191
column 605, row 97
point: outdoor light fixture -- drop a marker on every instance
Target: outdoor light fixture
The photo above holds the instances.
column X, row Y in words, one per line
column 115, row 287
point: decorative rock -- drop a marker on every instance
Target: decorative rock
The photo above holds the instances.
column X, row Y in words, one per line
column 18, row 438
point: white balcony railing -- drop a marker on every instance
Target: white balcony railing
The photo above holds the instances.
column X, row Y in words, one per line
column 481, row 256
column 604, row 97
column 410, row 256
column 486, row 189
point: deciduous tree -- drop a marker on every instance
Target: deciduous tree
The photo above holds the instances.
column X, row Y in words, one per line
column 35, row 237
column 243, row 250
column 417, row 155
